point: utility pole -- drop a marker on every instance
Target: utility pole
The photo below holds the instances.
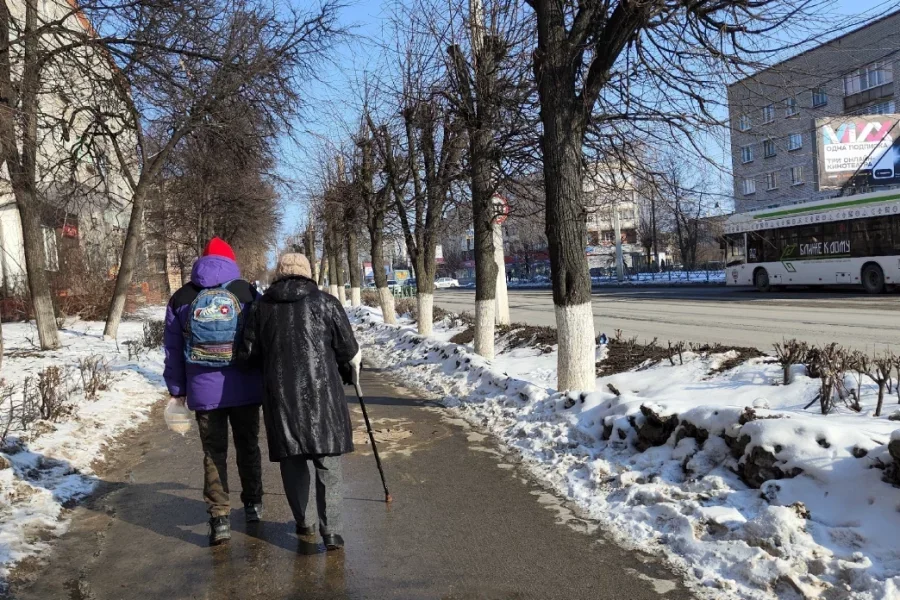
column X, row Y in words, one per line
column 501, row 313
column 617, row 226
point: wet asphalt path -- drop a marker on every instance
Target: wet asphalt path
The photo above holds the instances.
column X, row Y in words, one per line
column 465, row 524
column 719, row 314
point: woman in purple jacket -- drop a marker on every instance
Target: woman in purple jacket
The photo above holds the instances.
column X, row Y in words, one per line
column 218, row 395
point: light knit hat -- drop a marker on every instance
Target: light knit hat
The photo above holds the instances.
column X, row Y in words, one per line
column 293, row 264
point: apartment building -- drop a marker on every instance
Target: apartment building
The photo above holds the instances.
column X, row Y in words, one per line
column 773, row 113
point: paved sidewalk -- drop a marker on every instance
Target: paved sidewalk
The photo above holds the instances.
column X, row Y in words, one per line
column 465, row 524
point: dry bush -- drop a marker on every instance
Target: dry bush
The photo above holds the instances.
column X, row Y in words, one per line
column 407, row 306
column 136, row 350
column 48, row 398
column 829, row 364
column 95, row 375
column 154, row 334
column 466, row 336
column 791, row 353
column 881, row 373
column 520, row 335
column 9, row 393
column 370, row 298
column 439, row 314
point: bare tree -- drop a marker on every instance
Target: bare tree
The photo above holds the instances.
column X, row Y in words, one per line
column 178, row 64
column 377, row 204
column 492, row 87
column 647, row 63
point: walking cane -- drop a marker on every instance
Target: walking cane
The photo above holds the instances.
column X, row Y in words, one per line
column 387, row 495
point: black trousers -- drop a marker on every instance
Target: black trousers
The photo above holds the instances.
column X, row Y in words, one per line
column 213, row 426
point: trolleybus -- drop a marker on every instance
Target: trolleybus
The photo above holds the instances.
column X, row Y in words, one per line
column 851, row 240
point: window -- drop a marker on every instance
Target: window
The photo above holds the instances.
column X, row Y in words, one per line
column 870, row 237
column 797, row 175
column 51, row 255
column 795, row 141
column 749, row 186
column 593, row 238
column 768, row 113
column 882, row 108
column 744, row 123
column 772, row 180
column 159, row 263
column 878, row 73
column 819, row 97
column 791, row 108
column 608, row 235
column 769, row 148
column 746, row 154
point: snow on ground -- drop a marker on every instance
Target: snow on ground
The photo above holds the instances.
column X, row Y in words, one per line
column 684, row 498
column 47, row 467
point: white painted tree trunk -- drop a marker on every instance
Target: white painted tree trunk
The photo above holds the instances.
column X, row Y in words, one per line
column 484, row 328
column 501, row 313
column 355, row 297
column 333, row 289
column 342, row 295
column 576, row 365
column 386, row 299
column 425, row 304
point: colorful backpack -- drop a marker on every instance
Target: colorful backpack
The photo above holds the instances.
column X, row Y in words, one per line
column 212, row 329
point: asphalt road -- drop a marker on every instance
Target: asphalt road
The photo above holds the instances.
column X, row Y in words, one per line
column 466, row 523
column 719, row 314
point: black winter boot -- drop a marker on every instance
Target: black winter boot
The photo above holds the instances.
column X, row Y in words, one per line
column 219, row 530
column 253, row 512
column 333, row 542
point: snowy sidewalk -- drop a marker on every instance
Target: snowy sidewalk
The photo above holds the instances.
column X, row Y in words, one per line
column 714, row 464
column 465, row 523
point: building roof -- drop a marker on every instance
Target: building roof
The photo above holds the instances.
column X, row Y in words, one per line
column 890, row 15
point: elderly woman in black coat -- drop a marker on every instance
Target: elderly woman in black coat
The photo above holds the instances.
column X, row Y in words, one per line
column 302, row 340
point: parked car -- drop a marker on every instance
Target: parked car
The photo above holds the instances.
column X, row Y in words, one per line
column 393, row 285
column 446, row 282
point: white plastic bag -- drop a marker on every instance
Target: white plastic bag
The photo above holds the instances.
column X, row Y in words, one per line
column 177, row 416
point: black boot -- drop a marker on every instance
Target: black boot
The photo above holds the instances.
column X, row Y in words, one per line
column 219, row 530
column 306, row 529
column 253, row 512
column 333, row 542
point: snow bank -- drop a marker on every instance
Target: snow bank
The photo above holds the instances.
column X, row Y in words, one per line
column 48, row 467
column 827, row 527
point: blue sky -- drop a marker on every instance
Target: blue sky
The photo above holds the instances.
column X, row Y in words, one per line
column 330, row 100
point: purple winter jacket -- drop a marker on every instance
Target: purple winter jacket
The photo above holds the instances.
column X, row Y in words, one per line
column 207, row 388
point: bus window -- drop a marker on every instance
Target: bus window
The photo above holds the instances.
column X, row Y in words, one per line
column 895, row 234
column 770, row 250
column 870, row 237
column 755, row 245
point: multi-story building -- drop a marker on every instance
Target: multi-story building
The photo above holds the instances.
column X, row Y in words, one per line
column 613, row 205
column 84, row 200
column 773, row 113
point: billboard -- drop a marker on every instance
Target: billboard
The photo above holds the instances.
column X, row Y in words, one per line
column 865, row 148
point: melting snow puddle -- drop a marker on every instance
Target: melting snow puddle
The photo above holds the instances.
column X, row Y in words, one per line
column 660, row 586
column 564, row 515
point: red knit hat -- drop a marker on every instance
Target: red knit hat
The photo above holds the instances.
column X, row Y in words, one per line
column 218, row 247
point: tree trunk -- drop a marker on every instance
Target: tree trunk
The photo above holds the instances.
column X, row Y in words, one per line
column 566, row 232
column 486, row 272
column 22, row 167
column 475, row 107
column 880, row 399
column 127, row 264
column 353, row 266
column 323, row 266
column 425, row 271
column 36, row 270
column 333, row 268
column 385, row 297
